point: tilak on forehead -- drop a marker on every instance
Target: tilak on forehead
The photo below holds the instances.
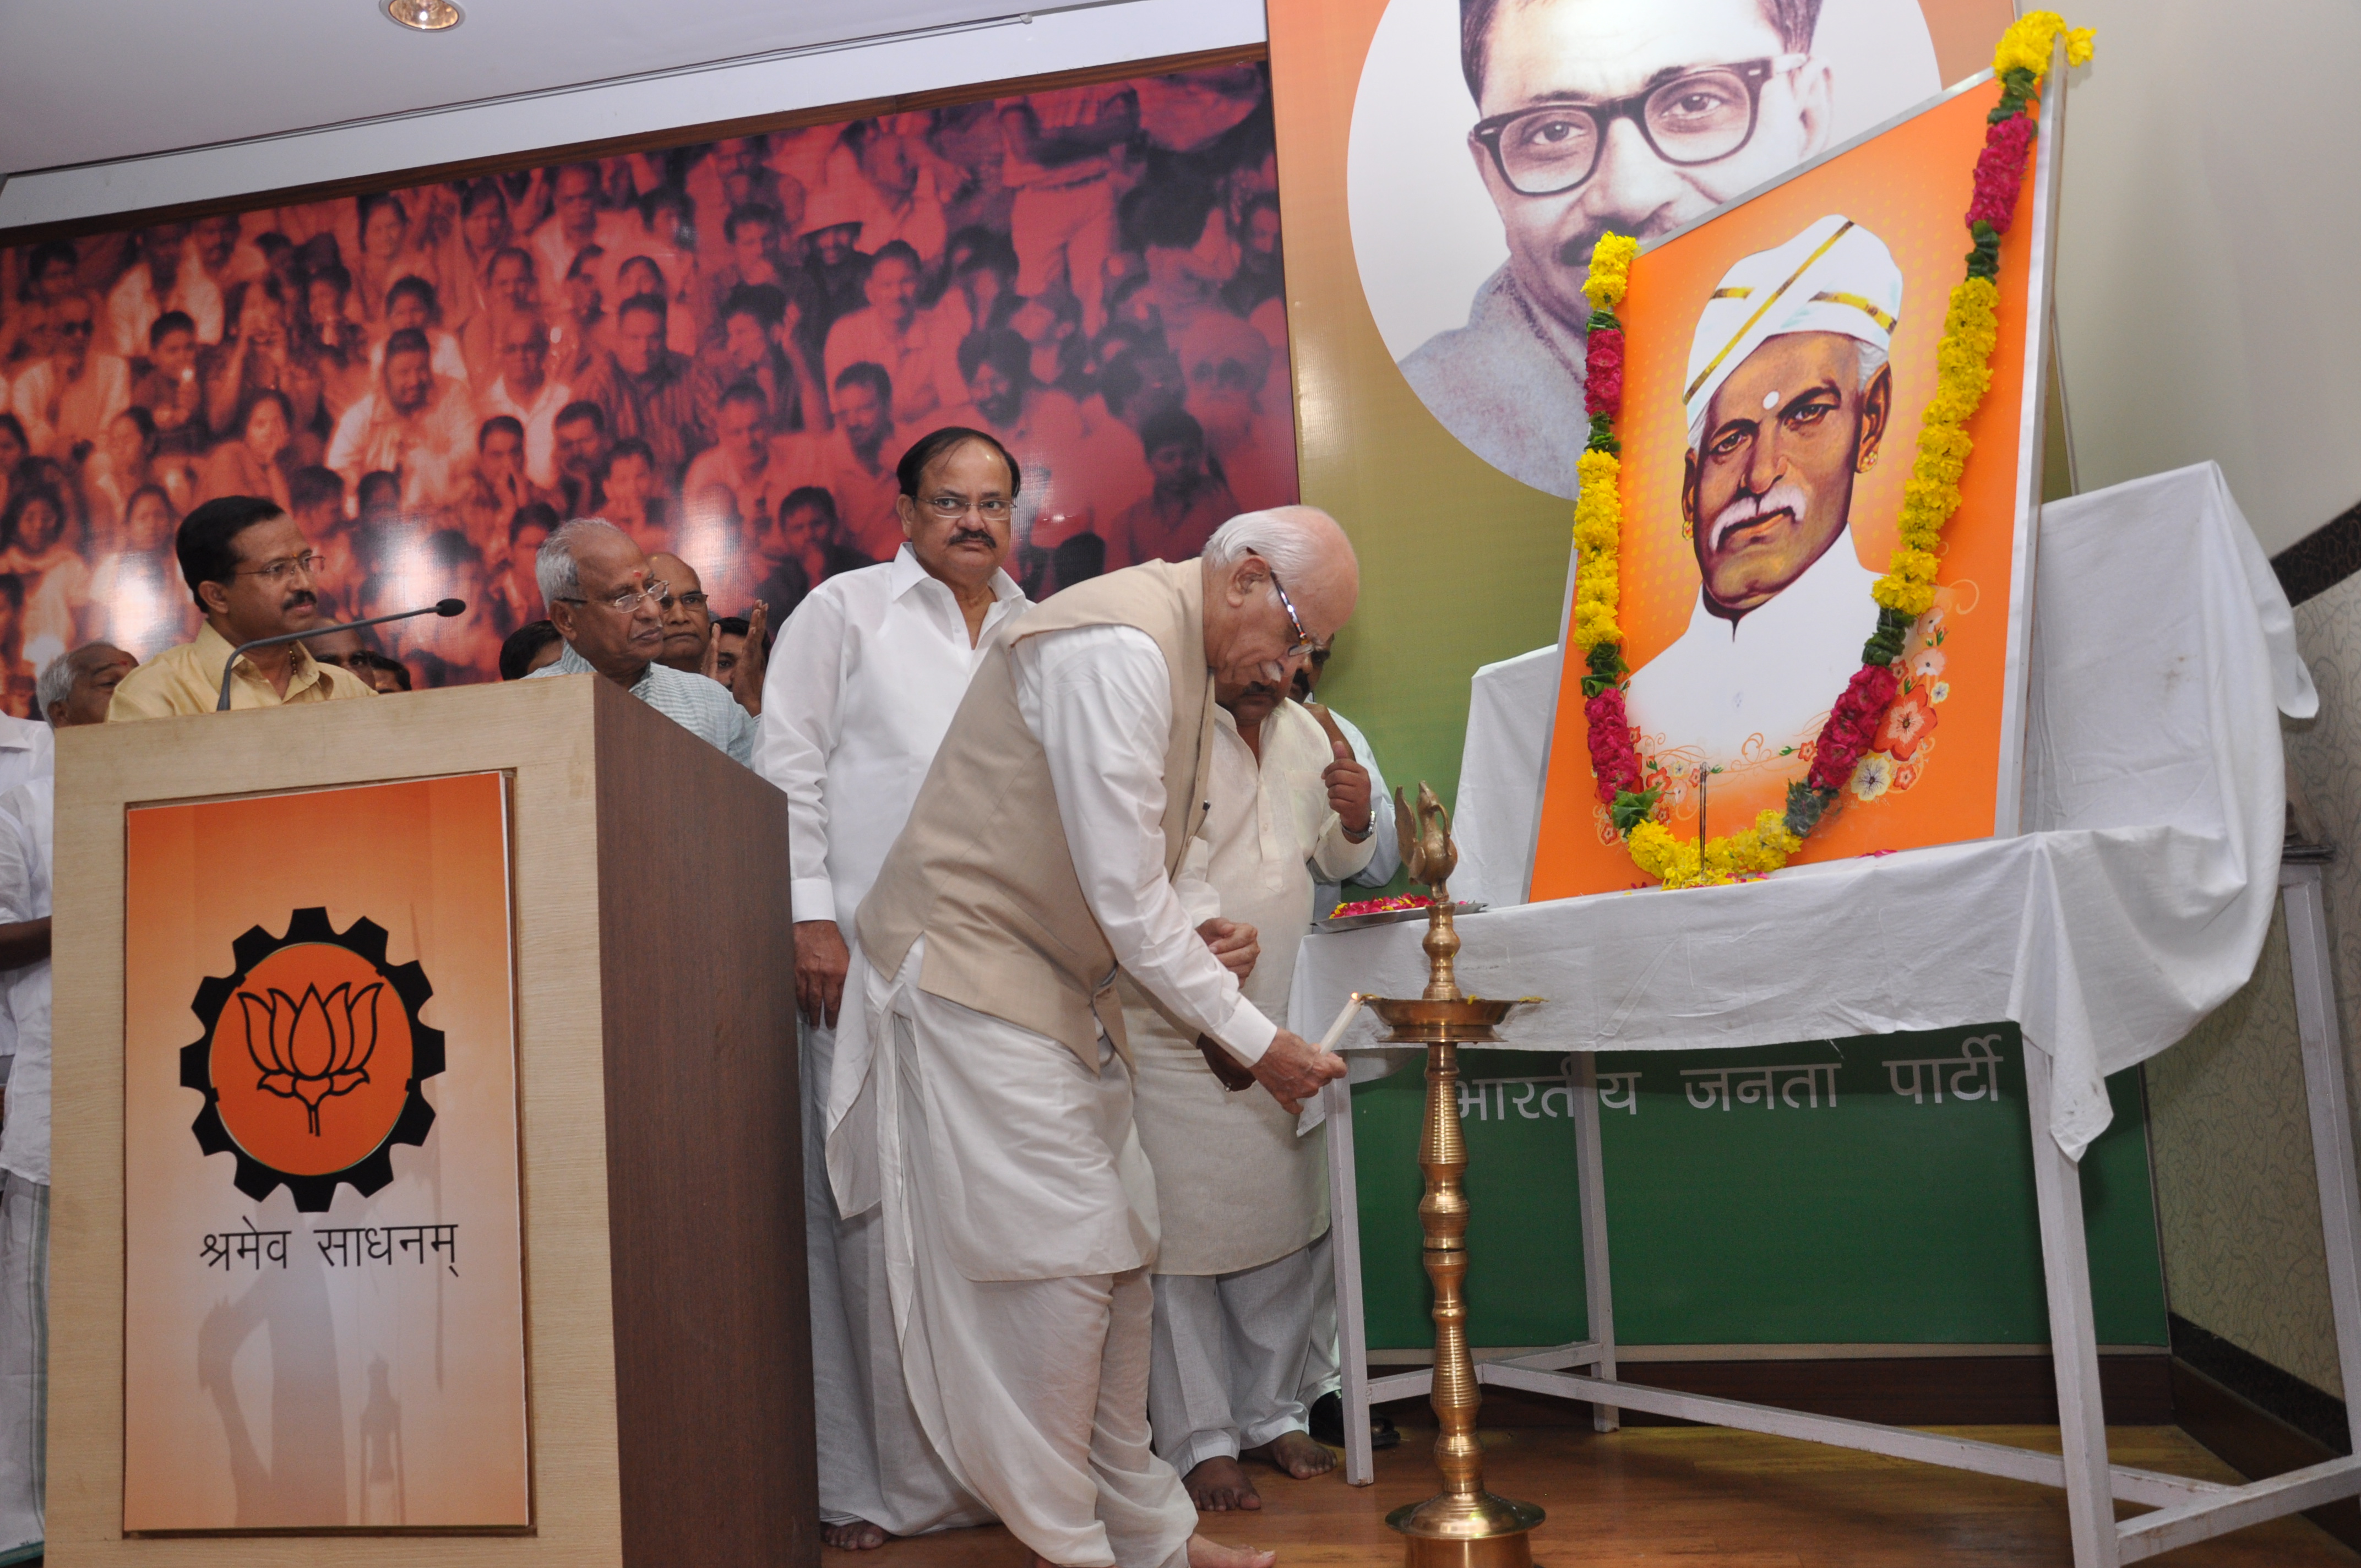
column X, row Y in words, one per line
column 1834, row 276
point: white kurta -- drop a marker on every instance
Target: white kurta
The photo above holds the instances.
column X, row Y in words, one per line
column 1738, row 692
column 1019, row 1210
column 1235, row 1186
column 27, row 752
column 866, row 676
column 26, row 813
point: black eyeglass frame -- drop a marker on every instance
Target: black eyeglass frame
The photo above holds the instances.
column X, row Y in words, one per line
column 1603, row 114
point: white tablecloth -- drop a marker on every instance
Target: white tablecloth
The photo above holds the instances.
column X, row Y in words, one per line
column 2134, row 902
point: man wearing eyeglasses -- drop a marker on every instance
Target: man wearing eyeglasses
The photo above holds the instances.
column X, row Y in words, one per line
column 989, row 1124
column 253, row 576
column 609, row 609
column 871, row 666
column 1634, row 115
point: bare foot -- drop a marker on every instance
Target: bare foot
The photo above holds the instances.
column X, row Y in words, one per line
column 1203, row 1554
column 1294, row 1453
column 1219, row 1485
column 859, row 1535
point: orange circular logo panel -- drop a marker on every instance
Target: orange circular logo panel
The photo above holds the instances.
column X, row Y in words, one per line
column 311, row 1059
column 312, row 1062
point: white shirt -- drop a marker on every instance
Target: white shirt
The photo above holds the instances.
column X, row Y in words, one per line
column 28, row 750
column 26, row 814
column 862, row 684
column 1742, row 691
column 1100, row 701
column 539, row 419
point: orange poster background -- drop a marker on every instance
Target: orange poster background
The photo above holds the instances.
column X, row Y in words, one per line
column 315, row 1397
column 1908, row 186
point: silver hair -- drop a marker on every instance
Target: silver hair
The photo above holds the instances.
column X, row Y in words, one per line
column 554, row 571
column 1285, row 542
column 1873, row 360
column 54, row 684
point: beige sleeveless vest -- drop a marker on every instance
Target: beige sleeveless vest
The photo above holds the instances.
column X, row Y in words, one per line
column 983, row 869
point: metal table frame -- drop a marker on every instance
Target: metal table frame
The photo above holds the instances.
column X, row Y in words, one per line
column 2184, row 1511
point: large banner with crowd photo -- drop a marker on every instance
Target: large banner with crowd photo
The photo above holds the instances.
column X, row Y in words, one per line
column 722, row 347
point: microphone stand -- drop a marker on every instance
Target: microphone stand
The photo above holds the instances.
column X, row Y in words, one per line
column 446, row 607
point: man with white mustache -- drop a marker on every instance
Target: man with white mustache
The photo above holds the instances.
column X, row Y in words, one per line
column 1788, row 396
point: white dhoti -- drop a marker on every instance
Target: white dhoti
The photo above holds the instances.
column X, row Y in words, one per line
column 875, row 1462
column 1017, row 1266
column 24, row 1363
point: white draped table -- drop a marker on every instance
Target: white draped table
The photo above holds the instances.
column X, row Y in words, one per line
column 2134, row 903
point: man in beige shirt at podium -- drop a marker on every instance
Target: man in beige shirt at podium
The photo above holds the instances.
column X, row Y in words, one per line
column 253, row 576
column 993, row 1120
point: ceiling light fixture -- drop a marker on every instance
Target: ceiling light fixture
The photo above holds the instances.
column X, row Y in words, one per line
column 425, row 16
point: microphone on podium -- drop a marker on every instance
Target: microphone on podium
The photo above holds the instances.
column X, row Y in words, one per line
column 445, row 607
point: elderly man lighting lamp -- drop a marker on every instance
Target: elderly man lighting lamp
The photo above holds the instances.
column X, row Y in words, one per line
column 992, row 1123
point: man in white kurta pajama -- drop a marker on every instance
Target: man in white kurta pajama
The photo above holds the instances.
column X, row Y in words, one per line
column 866, row 676
column 993, row 1125
column 1244, row 1200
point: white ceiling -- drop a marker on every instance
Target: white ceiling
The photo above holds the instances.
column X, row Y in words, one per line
column 95, row 80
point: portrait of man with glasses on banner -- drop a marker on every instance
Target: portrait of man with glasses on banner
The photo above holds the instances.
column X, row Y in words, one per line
column 1635, row 117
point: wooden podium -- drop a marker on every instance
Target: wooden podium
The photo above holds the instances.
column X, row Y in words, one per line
column 666, row 1347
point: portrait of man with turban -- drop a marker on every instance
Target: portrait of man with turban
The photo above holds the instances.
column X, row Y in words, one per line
column 1788, row 396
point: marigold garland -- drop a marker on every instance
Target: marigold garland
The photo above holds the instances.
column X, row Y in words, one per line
column 1929, row 498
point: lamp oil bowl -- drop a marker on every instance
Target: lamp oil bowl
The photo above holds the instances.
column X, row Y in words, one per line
column 1463, row 1526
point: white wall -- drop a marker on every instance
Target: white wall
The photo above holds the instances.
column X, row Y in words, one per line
column 1065, row 40
column 2210, row 225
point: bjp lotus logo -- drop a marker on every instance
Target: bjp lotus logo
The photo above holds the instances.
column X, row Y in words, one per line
column 311, row 1049
column 314, row 1075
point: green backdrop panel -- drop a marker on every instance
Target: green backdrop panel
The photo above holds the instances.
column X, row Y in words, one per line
column 1754, row 1201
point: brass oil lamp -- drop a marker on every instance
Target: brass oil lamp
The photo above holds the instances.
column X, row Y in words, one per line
column 1463, row 1526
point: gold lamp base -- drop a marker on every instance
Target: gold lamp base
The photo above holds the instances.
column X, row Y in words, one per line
column 1484, row 1531
column 1464, row 1526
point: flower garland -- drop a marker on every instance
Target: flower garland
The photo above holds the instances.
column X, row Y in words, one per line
column 1930, row 497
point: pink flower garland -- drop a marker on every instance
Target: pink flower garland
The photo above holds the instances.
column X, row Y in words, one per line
column 1852, row 724
column 1602, row 391
column 1612, row 756
column 2000, row 172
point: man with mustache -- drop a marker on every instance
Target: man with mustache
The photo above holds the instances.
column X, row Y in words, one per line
column 1788, row 396
column 1634, row 115
column 252, row 576
column 1241, row 1200
column 868, row 671
column 990, row 1124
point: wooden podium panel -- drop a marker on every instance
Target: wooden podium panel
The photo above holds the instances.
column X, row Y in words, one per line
column 667, row 1345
